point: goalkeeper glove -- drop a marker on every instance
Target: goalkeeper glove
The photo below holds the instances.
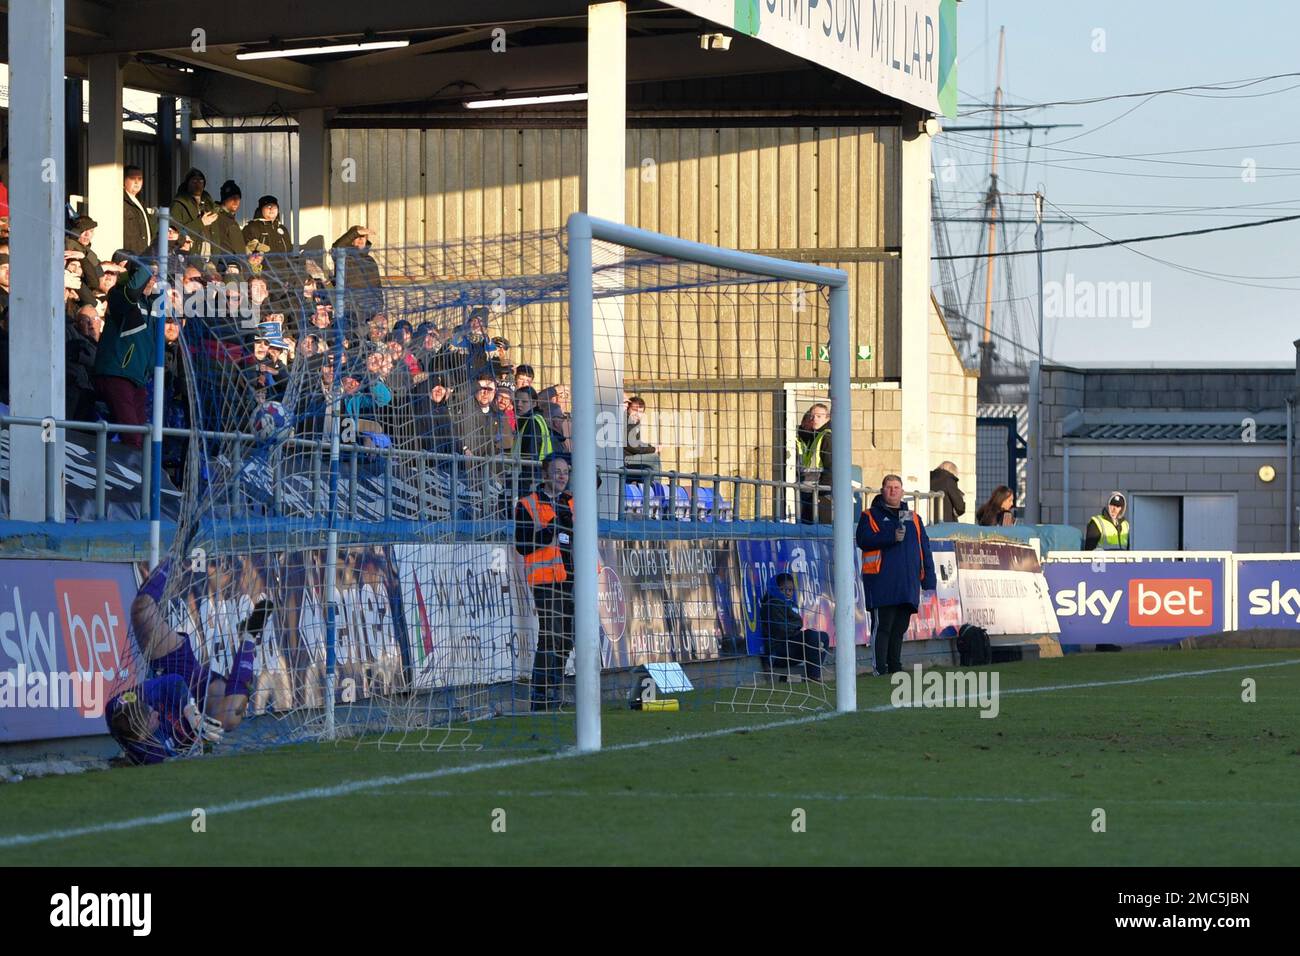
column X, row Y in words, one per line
column 208, row 728
column 256, row 621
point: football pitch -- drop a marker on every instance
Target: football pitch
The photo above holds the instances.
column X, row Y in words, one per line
column 1160, row 747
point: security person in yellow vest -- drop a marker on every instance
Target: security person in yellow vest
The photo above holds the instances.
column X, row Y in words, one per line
column 1110, row 529
column 813, row 446
column 534, row 442
column 544, row 537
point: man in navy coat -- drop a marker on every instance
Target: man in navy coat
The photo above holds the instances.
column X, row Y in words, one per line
column 896, row 567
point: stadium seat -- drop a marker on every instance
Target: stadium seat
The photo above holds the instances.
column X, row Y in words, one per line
column 633, row 501
column 703, row 504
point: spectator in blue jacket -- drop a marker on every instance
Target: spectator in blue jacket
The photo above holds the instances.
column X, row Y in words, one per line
column 781, row 625
column 362, row 395
column 896, row 567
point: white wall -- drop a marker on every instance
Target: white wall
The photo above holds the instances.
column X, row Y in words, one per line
column 261, row 163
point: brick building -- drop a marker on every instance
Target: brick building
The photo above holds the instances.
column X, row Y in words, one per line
column 1201, row 453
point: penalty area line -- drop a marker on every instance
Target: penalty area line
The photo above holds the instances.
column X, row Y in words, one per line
column 379, row 783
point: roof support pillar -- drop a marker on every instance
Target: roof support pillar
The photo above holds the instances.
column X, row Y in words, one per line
column 914, row 289
column 312, row 229
column 104, row 187
column 37, row 326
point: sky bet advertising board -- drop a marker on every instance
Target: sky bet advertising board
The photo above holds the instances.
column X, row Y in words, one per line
column 1268, row 594
column 65, row 647
column 1139, row 602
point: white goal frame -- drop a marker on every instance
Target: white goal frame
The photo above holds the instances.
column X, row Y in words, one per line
column 583, row 230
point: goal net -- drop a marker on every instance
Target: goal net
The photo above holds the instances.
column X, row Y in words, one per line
column 472, row 494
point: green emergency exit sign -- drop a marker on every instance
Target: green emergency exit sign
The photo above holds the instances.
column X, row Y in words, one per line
column 824, row 353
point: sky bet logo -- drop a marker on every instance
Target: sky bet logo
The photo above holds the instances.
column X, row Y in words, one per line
column 1272, row 601
column 95, row 632
column 1152, row 602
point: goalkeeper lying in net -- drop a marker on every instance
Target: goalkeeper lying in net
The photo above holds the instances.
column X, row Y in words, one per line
column 180, row 703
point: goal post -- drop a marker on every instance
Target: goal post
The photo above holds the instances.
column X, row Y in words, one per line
column 582, row 232
column 470, row 520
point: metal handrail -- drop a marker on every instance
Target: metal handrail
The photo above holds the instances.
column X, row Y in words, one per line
column 740, row 487
column 768, row 499
column 934, row 505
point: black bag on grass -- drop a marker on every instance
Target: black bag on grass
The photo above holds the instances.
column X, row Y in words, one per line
column 973, row 647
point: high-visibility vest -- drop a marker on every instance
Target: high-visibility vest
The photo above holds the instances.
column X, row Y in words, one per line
column 546, row 564
column 810, row 453
column 1111, row 536
column 871, row 559
column 546, row 446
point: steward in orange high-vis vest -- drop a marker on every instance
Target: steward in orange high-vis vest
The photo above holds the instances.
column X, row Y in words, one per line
column 544, row 538
column 896, row 567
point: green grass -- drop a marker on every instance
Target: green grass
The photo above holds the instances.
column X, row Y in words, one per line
column 1187, row 773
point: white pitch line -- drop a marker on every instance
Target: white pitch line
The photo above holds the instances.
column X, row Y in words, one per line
column 653, row 795
column 795, row 798
column 1151, row 678
column 376, row 783
column 358, row 786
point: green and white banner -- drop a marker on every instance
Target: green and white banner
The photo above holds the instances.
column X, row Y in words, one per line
column 906, row 49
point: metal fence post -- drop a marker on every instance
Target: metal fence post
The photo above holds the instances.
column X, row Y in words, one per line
column 146, row 476
column 332, row 535
column 388, row 484
column 52, row 509
column 159, row 373
column 101, row 467
column 353, row 470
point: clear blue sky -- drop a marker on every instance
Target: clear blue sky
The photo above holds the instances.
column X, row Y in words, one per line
column 1149, row 44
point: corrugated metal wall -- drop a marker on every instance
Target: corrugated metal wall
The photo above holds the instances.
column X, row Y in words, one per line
column 701, row 359
column 262, row 163
column 792, row 189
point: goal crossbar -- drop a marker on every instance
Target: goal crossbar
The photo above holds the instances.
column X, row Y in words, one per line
column 583, row 231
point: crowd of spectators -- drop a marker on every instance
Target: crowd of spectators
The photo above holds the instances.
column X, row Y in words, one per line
column 254, row 315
